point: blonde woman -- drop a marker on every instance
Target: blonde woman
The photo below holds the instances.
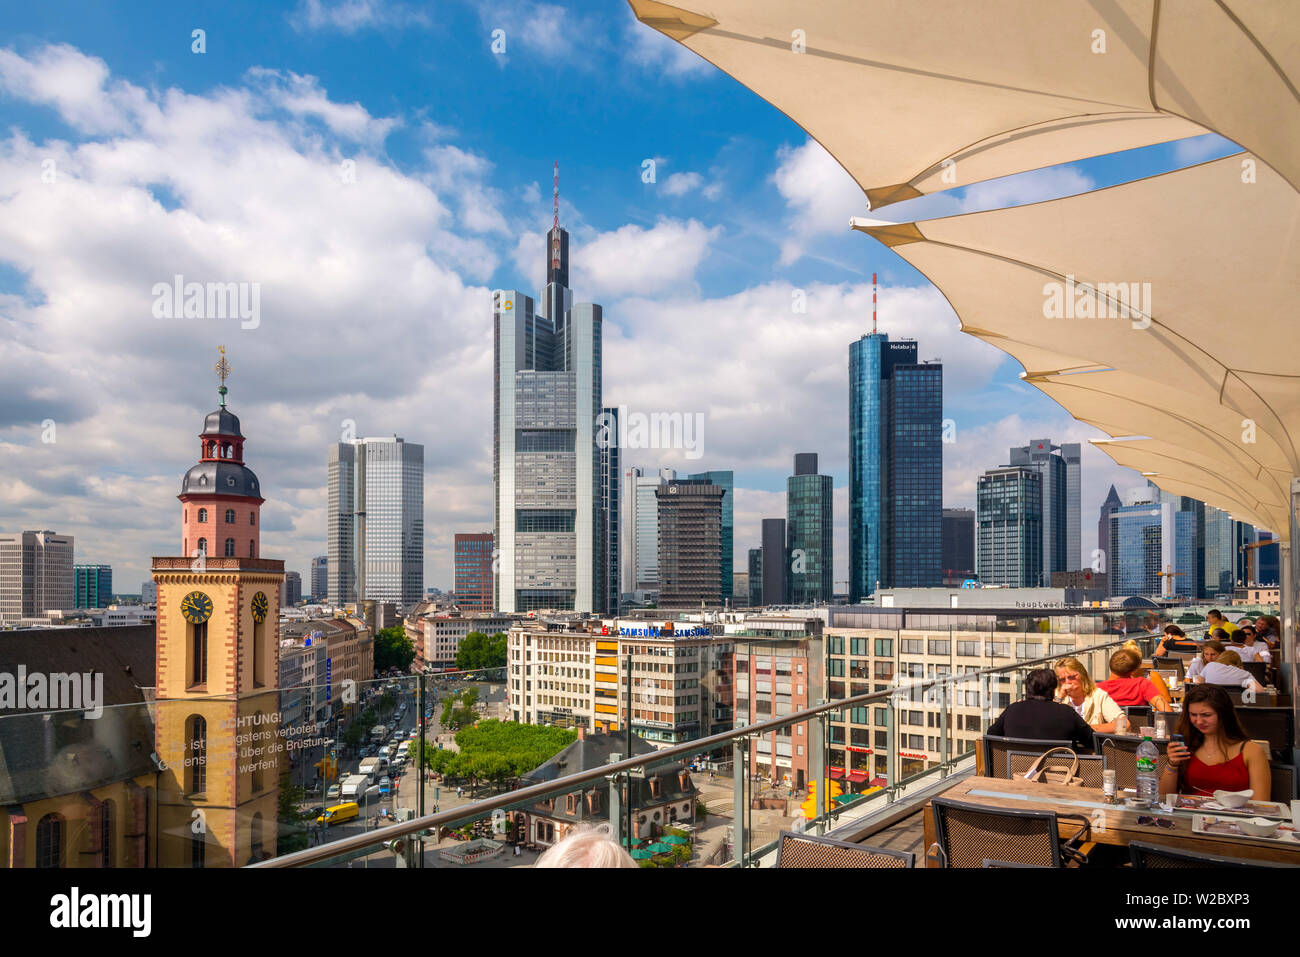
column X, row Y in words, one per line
column 1076, row 688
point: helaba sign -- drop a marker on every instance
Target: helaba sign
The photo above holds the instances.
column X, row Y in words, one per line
column 654, row 632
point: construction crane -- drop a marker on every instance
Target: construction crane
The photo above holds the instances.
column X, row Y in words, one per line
column 1169, row 589
column 1249, row 548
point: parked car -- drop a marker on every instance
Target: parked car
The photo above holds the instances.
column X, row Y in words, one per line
column 332, row 792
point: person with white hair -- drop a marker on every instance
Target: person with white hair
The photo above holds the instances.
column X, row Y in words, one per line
column 587, row 847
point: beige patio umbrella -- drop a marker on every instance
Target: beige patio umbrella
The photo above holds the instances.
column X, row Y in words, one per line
column 918, row 96
column 1185, row 284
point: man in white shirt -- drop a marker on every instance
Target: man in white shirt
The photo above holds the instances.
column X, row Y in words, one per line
column 1252, row 648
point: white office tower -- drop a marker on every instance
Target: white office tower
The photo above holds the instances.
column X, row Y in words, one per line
column 375, row 538
column 546, row 462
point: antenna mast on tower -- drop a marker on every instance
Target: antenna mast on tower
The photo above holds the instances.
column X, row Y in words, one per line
column 873, row 304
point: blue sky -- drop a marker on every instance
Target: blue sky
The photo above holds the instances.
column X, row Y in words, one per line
column 225, row 165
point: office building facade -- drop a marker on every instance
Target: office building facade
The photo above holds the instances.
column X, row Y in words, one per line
column 1157, row 540
column 895, row 467
column 755, row 577
column 1108, row 507
column 375, row 533
column 319, row 578
column 725, row 479
column 93, row 585
column 36, row 574
column 546, row 458
column 292, row 589
column 473, row 558
column 610, row 521
column 690, row 544
column 1058, row 465
column 775, row 563
column 1225, row 563
column 1009, row 517
column 958, row 545
column 810, row 531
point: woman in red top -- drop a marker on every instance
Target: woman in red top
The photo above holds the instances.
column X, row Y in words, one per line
column 1217, row 755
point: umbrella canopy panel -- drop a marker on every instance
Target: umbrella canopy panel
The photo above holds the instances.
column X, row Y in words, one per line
column 1007, row 85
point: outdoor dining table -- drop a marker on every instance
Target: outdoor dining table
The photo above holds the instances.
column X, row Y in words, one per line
column 1115, row 824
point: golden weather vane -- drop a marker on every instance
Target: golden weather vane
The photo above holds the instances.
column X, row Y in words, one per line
column 222, row 368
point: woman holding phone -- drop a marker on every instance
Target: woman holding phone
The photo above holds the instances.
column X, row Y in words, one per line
column 1211, row 752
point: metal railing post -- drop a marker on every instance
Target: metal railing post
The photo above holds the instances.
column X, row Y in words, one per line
column 739, row 778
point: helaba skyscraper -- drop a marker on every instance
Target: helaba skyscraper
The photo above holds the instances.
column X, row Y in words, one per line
column 546, row 463
column 895, row 466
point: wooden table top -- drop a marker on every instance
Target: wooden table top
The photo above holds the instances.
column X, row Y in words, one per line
column 1111, row 824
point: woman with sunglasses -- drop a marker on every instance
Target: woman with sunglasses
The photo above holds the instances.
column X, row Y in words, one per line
column 1215, row 754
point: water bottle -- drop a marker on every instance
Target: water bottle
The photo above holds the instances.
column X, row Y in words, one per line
column 1148, row 782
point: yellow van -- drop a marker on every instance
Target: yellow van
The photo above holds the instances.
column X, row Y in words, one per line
column 339, row 813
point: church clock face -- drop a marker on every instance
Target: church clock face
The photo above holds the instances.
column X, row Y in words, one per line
column 196, row 607
column 260, row 606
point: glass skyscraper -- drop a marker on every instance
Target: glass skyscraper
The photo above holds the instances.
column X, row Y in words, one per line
column 375, row 532
column 546, row 461
column 895, row 467
column 93, row 585
column 810, row 528
column 1059, row 467
column 610, row 520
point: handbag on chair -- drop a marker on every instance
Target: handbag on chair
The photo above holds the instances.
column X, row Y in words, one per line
column 1067, row 776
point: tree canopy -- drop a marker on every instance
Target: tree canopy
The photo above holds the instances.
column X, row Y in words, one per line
column 478, row 651
column 497, row 750
column 393, row 649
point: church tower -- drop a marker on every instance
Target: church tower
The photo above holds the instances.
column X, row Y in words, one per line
column 218, row 643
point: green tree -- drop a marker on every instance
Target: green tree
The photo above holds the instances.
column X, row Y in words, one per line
column 352, row 736
column 478, row 651
column 393, row 649
column 292, row 822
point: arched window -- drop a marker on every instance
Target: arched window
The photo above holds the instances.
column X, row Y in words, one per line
column 49, row 841
column 230, row 516
column 203, row 515
column 203, row 545
column 199, row 654
column 227, row 451
column 255, row 837
column 196, row 748
column 230, row 548
column 106, row 834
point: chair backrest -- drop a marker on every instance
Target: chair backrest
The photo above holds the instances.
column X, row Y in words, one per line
column 1258, row 670
column 969, row 834
column 1170, row 663
column 1275, row 725
column 1282, row 783
column 1090, row 765
column 995, row 751
column 1159, row 855
column 1119, row 753
column 807, row 850
column 1139, row 715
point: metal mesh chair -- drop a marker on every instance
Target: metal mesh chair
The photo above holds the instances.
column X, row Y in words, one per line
column 806, row 850
column 1158, row 855
column 969, row 834
column 995, row 751
column 990, row 862
column 1090, row 766
column 1119, row 753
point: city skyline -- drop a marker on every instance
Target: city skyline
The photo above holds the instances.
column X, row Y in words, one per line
column 684, row 270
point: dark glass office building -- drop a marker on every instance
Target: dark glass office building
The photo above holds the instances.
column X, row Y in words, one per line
column 725, row 478
column 958, row 545
column 93, row 585
column 775, row 562
column 810, row 528
column 690, row 543
column 755, row 577
column 895, row 467
column 608, row 593
column 1009, row 513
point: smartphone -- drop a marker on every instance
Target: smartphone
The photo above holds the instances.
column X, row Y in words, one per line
column 1178, row 740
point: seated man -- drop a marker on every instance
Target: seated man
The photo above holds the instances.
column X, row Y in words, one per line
column 1216, row 620
column 1127, row 687
column 1251, row 648
column 1040, row 718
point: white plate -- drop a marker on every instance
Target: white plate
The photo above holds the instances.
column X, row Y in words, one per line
column 1286, row 834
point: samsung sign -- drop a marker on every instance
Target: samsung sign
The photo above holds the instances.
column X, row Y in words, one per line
column 653, row 632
